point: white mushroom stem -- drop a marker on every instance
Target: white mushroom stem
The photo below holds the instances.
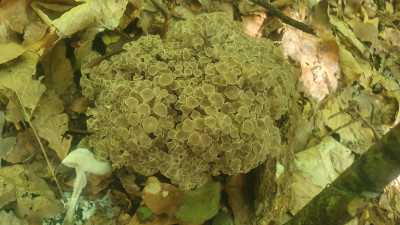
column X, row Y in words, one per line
column 80, row 183
column 84, row 163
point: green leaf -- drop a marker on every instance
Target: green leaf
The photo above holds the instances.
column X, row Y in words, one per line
column 143, row 213
column 201, row 204
column 223, row 218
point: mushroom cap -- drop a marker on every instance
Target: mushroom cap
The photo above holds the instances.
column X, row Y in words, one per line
column 84, row 159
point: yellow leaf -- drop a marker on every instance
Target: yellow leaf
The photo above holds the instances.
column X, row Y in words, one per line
column 10, row 51
column 34, row 199
column 52, row 124
column 18, row 78
column 349, row 66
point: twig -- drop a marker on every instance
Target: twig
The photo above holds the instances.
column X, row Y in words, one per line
column 376, row 133
column 79, row 131
column 101, row 58
column 27, row 117
column 341, row 127
column 294, row 23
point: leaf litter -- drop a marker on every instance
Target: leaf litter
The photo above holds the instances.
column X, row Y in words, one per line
column 350, row 98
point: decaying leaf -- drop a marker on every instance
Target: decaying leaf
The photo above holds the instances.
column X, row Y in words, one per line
column 236, row 198
column 318, row 58
column 223, row 218
column 8, row 218
column 349, row 66
column 59, row 74
column 14, row 14
column 52, row 124
column 93, row 13
column 347, row 33
column 317, row 167
column 161, row 198
column 17, row 77
column 128, row 182
column 366, row 32
column 25, row 147
column 6, row 144
column 34, row 199
column 201, row 204
column 34, row 32
column 390, row 199
column 10, row 51
column 349, row 118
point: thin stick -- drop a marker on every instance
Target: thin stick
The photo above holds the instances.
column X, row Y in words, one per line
column 294, row 23
column 27, row 117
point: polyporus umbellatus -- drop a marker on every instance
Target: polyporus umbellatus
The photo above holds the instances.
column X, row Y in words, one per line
column 202, row 101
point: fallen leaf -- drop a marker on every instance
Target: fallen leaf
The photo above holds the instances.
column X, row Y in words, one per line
column 10, row 51
column 252, row 24
column 6, row 144
column 93, row 13
column 200, row 204
column 318, row 57
column 14, row 14
column 52, row 124
column 223, row 218
column 353, row 132
column 26, row 146
column 8, row 218
column 79, row 105
column 161, row 198
column 349, row 66
column 317, row 167
column 236, row 198
column 18, row 78
column 366, row 32
column 34, row 32
column 347, row 33
column 128, row 182
column 34, row 199
column 59, row 75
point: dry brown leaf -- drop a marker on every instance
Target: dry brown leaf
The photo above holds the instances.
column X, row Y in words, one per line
column 318, row 58
column 366, row 32
column 349, row 66
column 252, row 24
column 161, row 198
column 34, row 32
column 6, row 144
column 79, row 105
column 97, row 183
column 128, row 182
column 18, row 78
column 351, row 128
column 25, row 147
column 93, row 13
column 347, row 33
column 10, row 51
column 8, row 218
column 317, row 167
column 59, row 75
column 14, row 14
column 52, row 124
column 236, row 198
column 35, row 200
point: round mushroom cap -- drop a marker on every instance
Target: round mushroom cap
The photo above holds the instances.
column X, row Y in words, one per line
column 84, row 159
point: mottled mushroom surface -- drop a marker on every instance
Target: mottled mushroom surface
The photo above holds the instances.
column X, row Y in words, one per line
column 204, row 100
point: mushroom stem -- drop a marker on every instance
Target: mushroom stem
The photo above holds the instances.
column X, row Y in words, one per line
column 84, row 163
column 80, row 183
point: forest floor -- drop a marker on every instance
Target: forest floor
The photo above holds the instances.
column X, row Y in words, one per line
column 349, row 97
